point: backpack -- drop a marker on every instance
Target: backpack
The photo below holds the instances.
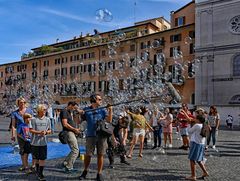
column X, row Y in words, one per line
column 204, row 130
column 63, row 137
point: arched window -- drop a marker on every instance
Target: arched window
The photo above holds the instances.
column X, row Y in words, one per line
column 236, row 66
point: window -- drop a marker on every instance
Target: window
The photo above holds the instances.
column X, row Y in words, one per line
column 142, row 45
column 132, row 47
column 103, row 53
column 158, row 58
column 176, row 71
column 34, row 75
column 145, row 55
column 64, row 71
column 34, row 65
column 191, row 71
column 236, row 66
column 180, row 21
column 191, row 34
column 121, row 64
column 46, row 63
column 133, row 62
column 191, row 48
column 72, row 70
column 174, row 51
column 24, row 76
column 174, row 38
column 45, row 73
column 57, row 72
column 121, row 84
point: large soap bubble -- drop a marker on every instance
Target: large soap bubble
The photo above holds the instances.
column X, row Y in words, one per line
column 103, row 15
column 188, row 40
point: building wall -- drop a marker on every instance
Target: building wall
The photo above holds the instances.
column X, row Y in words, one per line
column 216, row 47
column 186, row 88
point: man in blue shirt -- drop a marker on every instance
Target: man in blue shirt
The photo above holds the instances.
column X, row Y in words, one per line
column 92, row 139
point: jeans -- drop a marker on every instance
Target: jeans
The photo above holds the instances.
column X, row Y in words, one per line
column 212, row 133
column 157, row 136
column 73, row 144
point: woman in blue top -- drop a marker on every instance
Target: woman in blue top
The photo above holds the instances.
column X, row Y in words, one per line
column 17, row 120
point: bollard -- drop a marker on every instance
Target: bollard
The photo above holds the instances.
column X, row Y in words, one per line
column 82, row 157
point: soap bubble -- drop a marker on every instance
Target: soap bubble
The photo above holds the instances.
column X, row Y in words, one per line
column 103, row 15
column 97, row 39
column 111, row 52
column 145, row 56
column 120, row 35
column 160, row 58
column 156, row 44
column 188, row 40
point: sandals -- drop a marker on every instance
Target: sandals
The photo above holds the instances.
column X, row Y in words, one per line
column 204, row 175
column 129, row 156
column 140, row 155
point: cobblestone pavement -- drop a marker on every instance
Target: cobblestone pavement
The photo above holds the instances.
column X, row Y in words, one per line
column 173, row 165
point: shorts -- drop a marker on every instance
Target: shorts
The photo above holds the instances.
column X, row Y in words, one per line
column 39, row 152
column 21, row 143
column 184, row 131
column 27, row 148
column 139, row 132
column 99, row 142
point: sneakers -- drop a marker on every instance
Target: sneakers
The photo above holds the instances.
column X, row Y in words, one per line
column 125, row 162
column 21, row 169
column 170, row 146
column 111, row 166
column 154, row 147
column 214, row 147
column 70, row 170
column 99, row 177
column 181, row 147
column 42, row 178
column 83, row 175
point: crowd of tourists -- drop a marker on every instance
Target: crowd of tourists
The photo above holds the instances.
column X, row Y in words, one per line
column 130, row 126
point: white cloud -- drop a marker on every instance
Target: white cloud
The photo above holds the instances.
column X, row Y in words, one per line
column 65, row 15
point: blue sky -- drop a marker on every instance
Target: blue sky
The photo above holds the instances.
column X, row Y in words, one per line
column 26, row 24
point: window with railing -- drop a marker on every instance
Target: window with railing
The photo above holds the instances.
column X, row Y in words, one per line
column 176, row 72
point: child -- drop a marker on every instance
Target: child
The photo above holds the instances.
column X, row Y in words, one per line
column 197, row 146
column 23, row 132
column 40, row 126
